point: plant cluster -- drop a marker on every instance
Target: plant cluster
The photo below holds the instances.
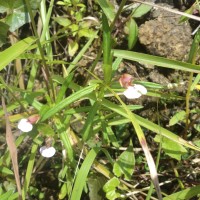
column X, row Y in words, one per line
column 71, row 132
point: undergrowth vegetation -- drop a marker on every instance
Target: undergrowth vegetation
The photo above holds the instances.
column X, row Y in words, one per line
column 73, row 126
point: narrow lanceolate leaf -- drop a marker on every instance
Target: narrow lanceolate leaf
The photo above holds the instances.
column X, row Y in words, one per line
column 30, row 166
column 143, row 143
column 12, row 148
column 184, row 194
column 107, row 8
column 150, row 161
column 83, row 173
column 65, row 102
column 14, row 51
column 164, row 132
column 107, row 57
column 64, row 87
column 132, row 33
column 87, row 129
column 155, row 60
column 147, row 124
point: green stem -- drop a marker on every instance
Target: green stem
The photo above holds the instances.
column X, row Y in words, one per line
column 123, row 2
column 158, row 156
column 192, row 60
column 45, row 70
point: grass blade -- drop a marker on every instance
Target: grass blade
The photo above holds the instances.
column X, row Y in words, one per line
column 107, row 8
column 29, row 170
column 14, row 51
column 83, row 173
column 107, row 57
column 65, row 102
column 155, row 60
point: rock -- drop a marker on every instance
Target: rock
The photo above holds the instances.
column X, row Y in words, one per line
column 164, row 36
column 157, row 77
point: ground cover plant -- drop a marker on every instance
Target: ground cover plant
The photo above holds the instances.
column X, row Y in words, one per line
column 80, row 119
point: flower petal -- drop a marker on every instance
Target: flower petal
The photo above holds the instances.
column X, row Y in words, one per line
column 47, row 152
column 132, row 93
column 140, row 88
column 24, row 125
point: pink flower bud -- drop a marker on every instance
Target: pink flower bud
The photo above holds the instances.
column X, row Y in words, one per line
column 126, row 80
column 33, row 119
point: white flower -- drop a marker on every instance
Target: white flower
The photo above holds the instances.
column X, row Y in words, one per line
column 135, row 91
column 47, row 152
column 24, row 125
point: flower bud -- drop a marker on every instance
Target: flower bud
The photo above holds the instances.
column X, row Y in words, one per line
column 33, row 119
column 126, row 80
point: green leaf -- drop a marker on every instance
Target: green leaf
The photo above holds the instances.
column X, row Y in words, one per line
column 5, row 171
column 30, row 98
column 125, row 164
column 14, row 51
column 83, row 173
column 6, row 6
column 150, row 84
column 110, row 188
column 72, row 48
column 65, row 138
column 17, row 14
column 86, row 32
column 45, row 129
column 107, row 8
column 112, row 136
column 141, row 10
column 112, row 195
column 13, row 196
column 3, row 33
column 87, row 129
column 63, row 21
column 184, row 194
column 64, row 87
column 188, row 11
column 155, row 60
column 111, row 184
column 29, row 169
column 164, row 132
column 72, row 98
column 148, row 124
column 171, row 148
column 179, row 116
column 17, row 19
column 95, row 184
column 197, row 142
column 132, row 33
column 6, row 195
column 107, row 56
column 197, row 127
column 63, row 191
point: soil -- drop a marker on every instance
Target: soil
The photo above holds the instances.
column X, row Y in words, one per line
column 164, row 35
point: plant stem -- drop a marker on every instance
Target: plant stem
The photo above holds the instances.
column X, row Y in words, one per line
column 45, row 70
